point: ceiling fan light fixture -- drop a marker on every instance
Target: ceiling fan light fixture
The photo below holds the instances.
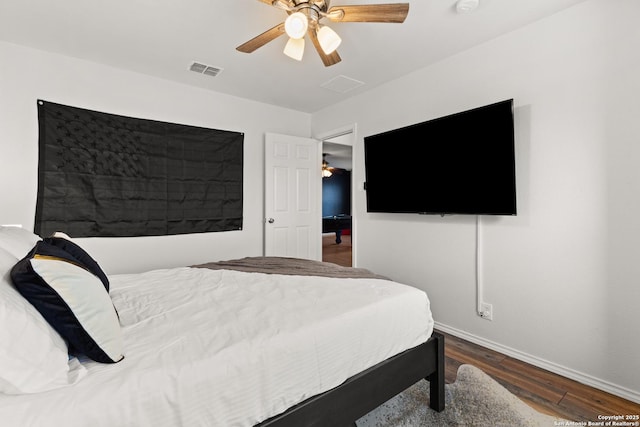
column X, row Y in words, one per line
column 296, row 25
column 326, row 172
column 304, row 17
column 294, row 49
column 329, row 40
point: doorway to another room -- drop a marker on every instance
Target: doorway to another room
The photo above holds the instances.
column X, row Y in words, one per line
column 337, row 227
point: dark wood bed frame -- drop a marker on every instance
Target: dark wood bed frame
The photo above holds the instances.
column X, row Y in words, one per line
column 360, row 394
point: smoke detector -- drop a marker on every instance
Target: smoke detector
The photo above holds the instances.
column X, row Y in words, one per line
column 466, row 6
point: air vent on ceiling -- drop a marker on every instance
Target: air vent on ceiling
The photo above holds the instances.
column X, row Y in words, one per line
column 342, row 84
column 205, row 69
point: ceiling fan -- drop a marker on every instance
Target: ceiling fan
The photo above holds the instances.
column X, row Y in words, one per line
column 304, row 19
column 327, row 171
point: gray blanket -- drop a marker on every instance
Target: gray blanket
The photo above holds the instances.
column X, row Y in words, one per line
column 290, row 266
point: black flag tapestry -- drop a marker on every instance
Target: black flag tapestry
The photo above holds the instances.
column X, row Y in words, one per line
column 103, row 175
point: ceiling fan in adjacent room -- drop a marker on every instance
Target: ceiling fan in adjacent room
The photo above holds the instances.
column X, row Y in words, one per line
column 327, row 171
column 304, row 19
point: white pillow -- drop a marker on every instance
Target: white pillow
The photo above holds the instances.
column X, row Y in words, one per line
column 61, row 281
column 17, row 241
column 33, row 357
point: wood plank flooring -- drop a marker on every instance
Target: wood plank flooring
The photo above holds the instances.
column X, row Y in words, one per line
column 544, row 391
column 336, row 253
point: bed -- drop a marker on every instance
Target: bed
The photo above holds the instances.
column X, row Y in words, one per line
column 253, row 342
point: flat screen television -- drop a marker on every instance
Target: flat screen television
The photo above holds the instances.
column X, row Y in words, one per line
column 463, row 163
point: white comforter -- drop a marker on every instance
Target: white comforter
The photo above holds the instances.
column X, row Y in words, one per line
column 225, row 348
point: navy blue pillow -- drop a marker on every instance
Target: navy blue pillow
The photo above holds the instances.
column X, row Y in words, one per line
column 72, row 299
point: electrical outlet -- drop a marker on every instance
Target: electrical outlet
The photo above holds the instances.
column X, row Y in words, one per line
column 487, row 311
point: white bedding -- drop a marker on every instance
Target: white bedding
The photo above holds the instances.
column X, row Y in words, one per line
column 225, row 348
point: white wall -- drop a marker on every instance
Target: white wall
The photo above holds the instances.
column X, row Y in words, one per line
column 563, row 276
column 27, row 75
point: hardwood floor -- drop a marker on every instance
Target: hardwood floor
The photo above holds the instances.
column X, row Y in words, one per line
column 546, row 392
column 336, row 253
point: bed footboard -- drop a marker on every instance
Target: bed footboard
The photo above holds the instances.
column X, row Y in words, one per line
column 369, row 389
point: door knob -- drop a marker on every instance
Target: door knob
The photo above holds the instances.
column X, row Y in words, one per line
column 271, row 220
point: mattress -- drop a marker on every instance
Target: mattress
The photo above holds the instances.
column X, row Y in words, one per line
column 228, row 348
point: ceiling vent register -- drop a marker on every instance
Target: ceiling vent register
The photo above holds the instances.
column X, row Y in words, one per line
column 205, row 69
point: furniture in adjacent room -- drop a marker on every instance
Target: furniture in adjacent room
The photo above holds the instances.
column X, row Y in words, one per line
column 337, row 224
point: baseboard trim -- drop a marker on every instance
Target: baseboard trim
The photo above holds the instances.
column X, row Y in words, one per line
column 589, row 380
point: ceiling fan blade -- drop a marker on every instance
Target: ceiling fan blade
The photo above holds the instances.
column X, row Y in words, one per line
column 328, row 60
column 393, row 13
column 262, row 39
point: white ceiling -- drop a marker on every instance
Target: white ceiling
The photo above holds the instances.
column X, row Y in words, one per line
column 163, row 37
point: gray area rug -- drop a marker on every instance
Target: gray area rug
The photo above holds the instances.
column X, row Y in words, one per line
column 474, row 399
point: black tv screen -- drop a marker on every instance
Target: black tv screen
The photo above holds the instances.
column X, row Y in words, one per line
column 463, row 163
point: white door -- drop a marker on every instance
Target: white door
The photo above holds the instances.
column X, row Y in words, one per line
column 292, row 197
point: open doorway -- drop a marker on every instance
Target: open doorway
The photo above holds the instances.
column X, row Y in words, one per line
column 337, row 224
